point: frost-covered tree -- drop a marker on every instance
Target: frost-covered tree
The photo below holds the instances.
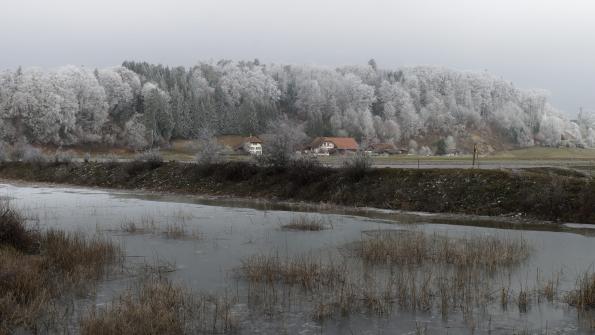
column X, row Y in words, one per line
column 75, row 105
column 156, row 114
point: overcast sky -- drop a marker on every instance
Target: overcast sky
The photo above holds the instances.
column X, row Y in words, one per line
column 546, row 44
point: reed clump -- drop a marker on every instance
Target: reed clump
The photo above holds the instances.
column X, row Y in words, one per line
column 33, row 280
column 583, row 296
column 307, row 223
column 306, row 271
column 172, row 230
column 158, row 306
column 415, row 248
column 426, row 272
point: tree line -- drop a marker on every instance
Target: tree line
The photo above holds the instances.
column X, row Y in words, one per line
column 141, row 105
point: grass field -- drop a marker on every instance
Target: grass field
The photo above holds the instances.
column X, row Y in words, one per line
column 185, row 151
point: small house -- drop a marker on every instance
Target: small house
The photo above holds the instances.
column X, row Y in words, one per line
column 332, row 145
column 251, row 145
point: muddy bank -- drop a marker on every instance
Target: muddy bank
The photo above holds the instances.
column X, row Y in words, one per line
column 545, row 195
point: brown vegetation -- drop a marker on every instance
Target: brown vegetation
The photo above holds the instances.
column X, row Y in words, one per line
column 33, row 279
column 484, row 192
column 147, row 225
column 583, row 296
column 307, row 223
column 415, row 248
column 158, row 306
column 425, row 273
column 13, row 232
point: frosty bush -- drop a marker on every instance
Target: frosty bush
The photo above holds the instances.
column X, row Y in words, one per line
column 33, row 155
column 425, row 151
column 62, row 157
column 209, row 150
column 282, row 142
column 4, row 148
column 358, row 164
column 149, row 156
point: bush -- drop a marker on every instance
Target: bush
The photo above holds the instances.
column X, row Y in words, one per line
column 4, row 149
column 13, row 232
column 208, row 153
column 441, row 147
column 305, row 170
column 62, row 157
column 33, row 155
column 281, row 145
column 26, row 153
column 150, row 156
column 358, row 164
column 425, row 151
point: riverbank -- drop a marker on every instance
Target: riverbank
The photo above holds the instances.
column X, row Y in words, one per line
column 541, row 194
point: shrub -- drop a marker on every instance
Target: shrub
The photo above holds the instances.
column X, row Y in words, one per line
column 4, row 150
column 13, row 232
column 208, row 153
column 305, row 170
column 281, row 145
column 29, row 154
column 26, row 153
column 153, row 157
column 358, row 164
column 62, row 157
column 441, row 147
column 425, row 151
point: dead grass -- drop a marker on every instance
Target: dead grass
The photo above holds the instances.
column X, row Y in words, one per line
column 307, row 223
column 414, row 248
column 63, row 264
column 157, row 306
column 305, row 271
column 583, row 296
column 426, row 272
column 177, row 229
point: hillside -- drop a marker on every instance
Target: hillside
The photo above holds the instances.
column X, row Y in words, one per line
column 140, row 105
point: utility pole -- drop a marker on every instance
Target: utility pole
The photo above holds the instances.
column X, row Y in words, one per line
column 474, row 154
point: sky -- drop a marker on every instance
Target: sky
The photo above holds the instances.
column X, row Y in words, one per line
column 548, row 44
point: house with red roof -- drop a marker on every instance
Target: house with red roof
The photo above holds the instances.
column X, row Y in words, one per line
column 332, row 145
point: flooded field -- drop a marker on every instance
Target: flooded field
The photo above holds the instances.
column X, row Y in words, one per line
column 280, row 271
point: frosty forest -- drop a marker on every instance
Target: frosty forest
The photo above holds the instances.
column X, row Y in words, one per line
column 140, row 105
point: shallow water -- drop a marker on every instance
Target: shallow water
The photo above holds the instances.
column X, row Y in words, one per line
column 219, row 236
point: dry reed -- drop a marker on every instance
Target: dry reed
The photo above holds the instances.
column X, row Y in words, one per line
column 307, row 223
column 415, row 248
column 157, row 306
column 31, row 283
column 583, row 296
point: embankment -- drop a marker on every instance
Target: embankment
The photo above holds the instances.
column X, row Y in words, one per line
column 535, row 194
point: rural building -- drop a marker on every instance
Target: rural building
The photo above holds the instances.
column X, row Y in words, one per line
column 385, row 149
column 332, row 145
column 251, row 145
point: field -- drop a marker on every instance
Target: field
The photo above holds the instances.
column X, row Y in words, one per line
column 185, row 151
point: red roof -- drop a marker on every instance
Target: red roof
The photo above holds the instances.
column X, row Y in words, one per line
column 252, row 139
column 341, row 143
column 236, row 141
